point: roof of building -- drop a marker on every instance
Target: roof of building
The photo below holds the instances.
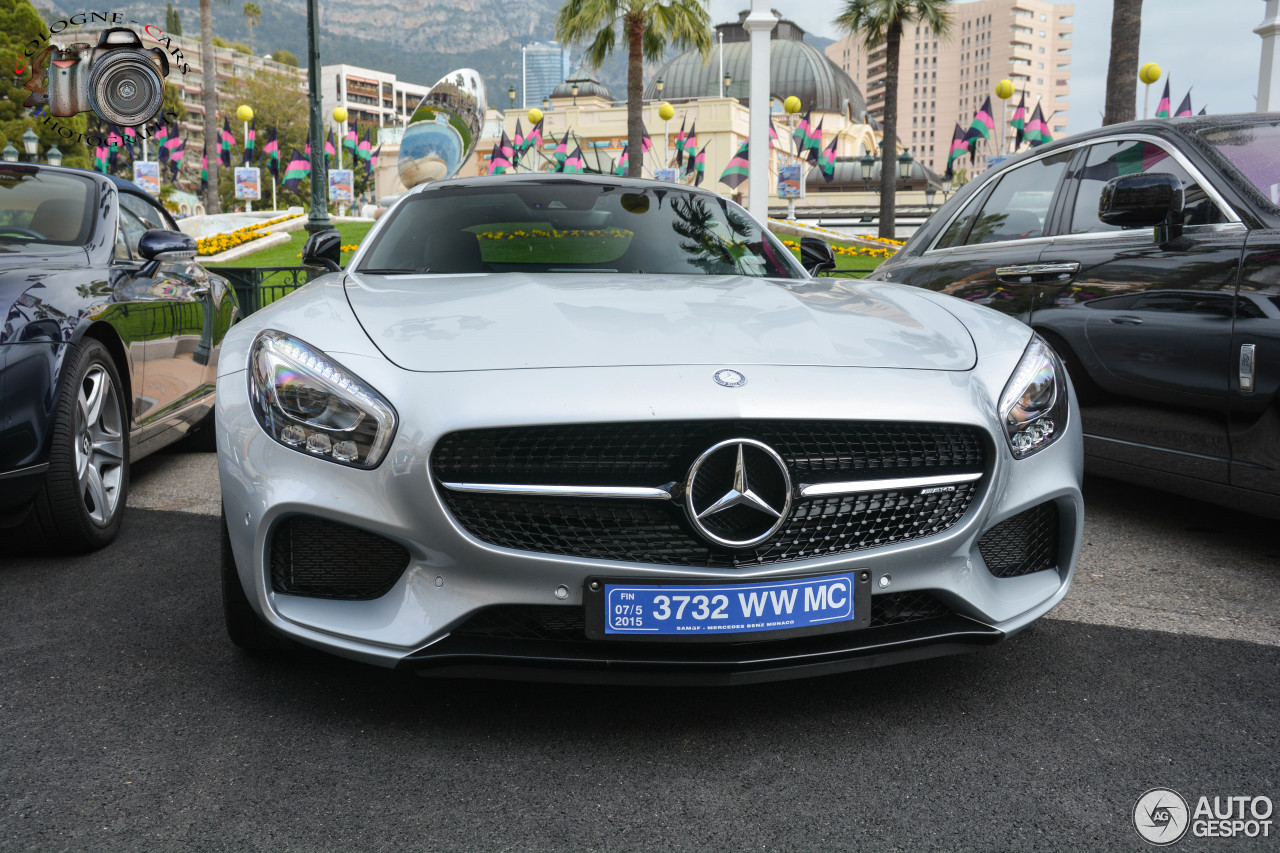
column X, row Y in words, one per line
column 795, row 68
column 589, row 86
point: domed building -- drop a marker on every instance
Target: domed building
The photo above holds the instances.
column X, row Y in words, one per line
column 582, row 87
column 795, row 68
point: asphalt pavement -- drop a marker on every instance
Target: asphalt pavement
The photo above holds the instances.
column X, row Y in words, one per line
column 128, row 721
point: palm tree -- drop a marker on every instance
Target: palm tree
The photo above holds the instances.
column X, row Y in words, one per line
column 252, row 17
column 1122, row 68
column 881, row 21
column 649, row 27
column 209, row 73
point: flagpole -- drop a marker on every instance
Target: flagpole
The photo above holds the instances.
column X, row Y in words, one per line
column 248, row 202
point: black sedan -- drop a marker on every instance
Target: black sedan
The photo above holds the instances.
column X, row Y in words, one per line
column 1148, row 255
column 108, row 348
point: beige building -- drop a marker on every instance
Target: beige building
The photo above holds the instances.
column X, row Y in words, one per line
column 943, row 81
column 370, row 97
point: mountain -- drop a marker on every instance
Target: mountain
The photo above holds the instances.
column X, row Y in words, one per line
column 417, row 41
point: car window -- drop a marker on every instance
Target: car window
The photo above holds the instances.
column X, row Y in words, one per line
column 131, row 230
column 150, row 215
column 1018, row 208
column 39, row 206
column 954, row 235
column 1109, row 160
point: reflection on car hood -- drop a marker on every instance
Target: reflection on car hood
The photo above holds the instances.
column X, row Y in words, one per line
column 519, row 320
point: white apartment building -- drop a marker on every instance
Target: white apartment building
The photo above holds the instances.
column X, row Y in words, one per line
column 370, row 97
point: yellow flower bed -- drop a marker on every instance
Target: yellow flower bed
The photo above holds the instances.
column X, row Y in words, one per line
column 849, row 251
column 219, row 243
column 513, row 235
column 343, row 249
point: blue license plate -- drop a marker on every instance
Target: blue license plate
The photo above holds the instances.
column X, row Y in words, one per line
column 802, row 605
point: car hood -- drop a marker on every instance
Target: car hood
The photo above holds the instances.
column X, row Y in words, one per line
column 519, row 320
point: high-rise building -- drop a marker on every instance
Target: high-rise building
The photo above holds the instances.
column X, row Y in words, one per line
column 370, row 97
column 544, row 65
column 943, row 81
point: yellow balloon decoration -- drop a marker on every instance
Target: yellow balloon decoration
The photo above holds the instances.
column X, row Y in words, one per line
column 1150, row 73
column 791, row 105
column 244, row 112
column 1004, row 90
column 339, row 114
column 666, row 112
column 535, row 115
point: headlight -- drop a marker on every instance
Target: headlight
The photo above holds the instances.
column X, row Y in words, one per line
column 310, row 403
column 1033, row 407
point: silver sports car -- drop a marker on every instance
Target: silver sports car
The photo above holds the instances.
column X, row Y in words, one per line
column 593, row 428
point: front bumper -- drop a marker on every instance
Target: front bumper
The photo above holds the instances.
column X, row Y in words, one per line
column 452, row 576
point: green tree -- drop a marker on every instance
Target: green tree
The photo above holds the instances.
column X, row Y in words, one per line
column 880, row 22
column 209, row 83
column 19, row 25
column 172, row 20
column 241, row 47
column 252, row 17
column 1122, row 67
column 280, row 104
column 285, row 57
column 648, row 28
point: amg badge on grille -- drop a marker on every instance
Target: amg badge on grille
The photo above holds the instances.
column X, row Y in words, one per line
column 739, row 493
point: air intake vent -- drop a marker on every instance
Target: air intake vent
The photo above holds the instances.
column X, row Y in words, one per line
column 1025, row 543
column 324, row 559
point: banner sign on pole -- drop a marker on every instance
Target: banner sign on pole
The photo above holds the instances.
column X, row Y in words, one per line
column 146, row 174
column 341, row 183
column 790, row 181
column 248, row 182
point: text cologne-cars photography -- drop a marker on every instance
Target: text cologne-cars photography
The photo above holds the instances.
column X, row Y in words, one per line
column 586, row 427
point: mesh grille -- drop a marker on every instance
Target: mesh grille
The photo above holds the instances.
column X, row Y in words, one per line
column 650, row 454
column 652, row 532
column 654, row 454
column 324, row 559
column 1025, row 543
column 568, row 622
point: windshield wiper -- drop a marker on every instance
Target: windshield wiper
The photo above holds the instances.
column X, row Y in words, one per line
column 417, row 271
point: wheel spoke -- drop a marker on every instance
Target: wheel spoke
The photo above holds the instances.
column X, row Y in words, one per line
column 95, row 493
column 107, row 451
column 98, row 392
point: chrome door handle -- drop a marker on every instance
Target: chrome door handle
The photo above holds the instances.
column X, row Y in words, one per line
column 1248, row 362
column 1060, row 271
column 200, row 292
column 1127, row 320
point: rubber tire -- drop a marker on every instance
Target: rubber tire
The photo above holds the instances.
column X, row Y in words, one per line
column 244, row 627
column 58, row 519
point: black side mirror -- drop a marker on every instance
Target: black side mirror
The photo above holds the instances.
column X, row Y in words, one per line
column 1143, row 201
column 158, row 246
column 816, row 255
column 323, row 250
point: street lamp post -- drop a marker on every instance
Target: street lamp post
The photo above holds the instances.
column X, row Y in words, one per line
column 574, row 89
column 666, row 112
column 54, row 156
column 9, row 154
column 868, row 164
column 511, row 93
column 340, row 116
column 792, row 108
column 30, row 142
column 904, row 168
column 930, row 193
column 318, row 220
column 244, row 112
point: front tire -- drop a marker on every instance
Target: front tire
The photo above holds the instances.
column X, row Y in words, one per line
column 81, row 503
column 244, row 627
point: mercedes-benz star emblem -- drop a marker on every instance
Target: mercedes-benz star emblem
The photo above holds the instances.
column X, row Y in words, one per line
column 738, row 493
column 730, row 378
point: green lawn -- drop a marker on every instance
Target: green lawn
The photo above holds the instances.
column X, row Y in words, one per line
column 290, row 254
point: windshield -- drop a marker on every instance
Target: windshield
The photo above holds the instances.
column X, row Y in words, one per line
column 38, row 206
column 575, row 227
column 1255, row 153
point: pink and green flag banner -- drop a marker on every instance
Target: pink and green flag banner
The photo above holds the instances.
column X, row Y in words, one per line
column 1204, row 111
column 827, row 161
column 175, row 158
column 1184, row 108
column 507, row 149
column 813, row 144
column 364, row 151
column 691, row 146
column 699, row 164
column 646, row 141
column 623, row 160
column 298, row 170
column 1019, row 122
column 204, row 170
column 1037, row 132
column 773, row 136
column 561, row 152
column 228, row 142
column 1134, row 160
column 959, row 148
column 533, row 140
column 573, row 164
column 738, row 169
column 161, row 137
column 330, row 149
column 100, row 159
column 680, row 137
column 352, row 140
column 981, row 126
column 517, row 144
column 800, row 136
column 498, row 163
column 271, row 151
column 373, row 158
column 250, row 142
column 172, row 144
column 114, row 141
column 1162, row 111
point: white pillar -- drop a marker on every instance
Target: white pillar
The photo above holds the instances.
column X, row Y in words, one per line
column 1269, row 68
column 760, row 24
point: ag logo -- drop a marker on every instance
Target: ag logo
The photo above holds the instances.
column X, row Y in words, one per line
column 1161, row 816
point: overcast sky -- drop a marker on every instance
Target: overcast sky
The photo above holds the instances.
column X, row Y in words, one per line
column 1208, row 45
